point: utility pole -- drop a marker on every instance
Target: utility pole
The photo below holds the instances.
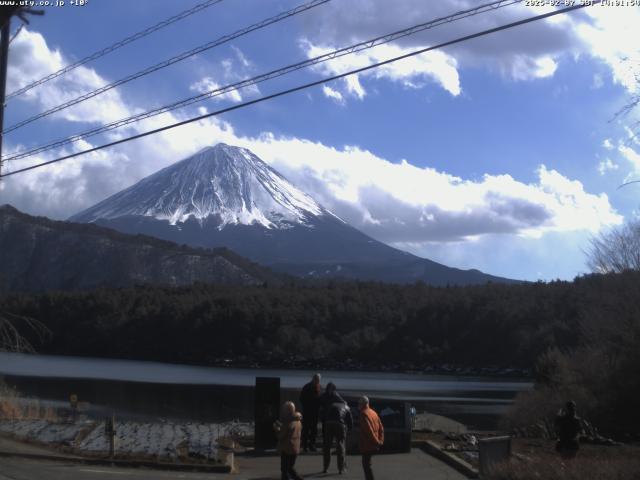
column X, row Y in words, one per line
column 5, row 19
column 4, row 59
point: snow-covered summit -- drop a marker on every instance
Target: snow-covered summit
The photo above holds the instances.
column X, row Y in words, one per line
column 223, row 181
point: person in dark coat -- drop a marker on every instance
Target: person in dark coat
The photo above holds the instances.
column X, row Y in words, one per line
column 325, row 401
column 568, row 429
column 288, row 430
column 336, row 422
column 310, row 402
column 329, row 396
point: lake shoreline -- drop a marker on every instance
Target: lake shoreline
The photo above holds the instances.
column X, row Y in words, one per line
column 296, row 365
column 157, row 390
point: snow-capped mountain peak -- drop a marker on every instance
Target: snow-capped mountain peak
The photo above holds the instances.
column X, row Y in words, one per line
column 226, row 182
column 225, row 196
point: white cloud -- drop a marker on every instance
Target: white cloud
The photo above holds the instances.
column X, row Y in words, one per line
column 524, row 53
column 631, row 156
column 207, row 84
column 354, row 87
column 610, row 36
column 242, row 58
column 607, row 166
column 333, row 94
column 597, row 82
column 632, row 136
column 523, row 67
column 628, row 157
column 233, row 70
column 32, row 59
column 413, row 72
column 399, row 202
column 529, row 52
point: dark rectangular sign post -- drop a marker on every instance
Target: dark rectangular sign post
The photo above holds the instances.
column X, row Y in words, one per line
column 267, row 411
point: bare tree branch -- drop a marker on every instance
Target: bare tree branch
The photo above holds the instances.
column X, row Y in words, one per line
column 632, row 105
column 617, row 250
column 11, row 337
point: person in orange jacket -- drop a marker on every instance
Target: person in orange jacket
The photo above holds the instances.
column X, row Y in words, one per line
column 371, row 435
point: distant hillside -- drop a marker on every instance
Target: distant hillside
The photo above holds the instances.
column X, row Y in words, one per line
column 39, row 254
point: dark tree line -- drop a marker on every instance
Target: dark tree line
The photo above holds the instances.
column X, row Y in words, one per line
column 370, row 324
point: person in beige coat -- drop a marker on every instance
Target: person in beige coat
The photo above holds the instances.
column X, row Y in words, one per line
column 289, row 429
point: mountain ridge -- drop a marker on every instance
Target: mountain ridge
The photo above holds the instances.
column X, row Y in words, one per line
column 39, row 254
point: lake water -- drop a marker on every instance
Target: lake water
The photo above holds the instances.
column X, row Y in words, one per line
column 162, row 390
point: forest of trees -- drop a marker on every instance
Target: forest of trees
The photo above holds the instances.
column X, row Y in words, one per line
column 412, row 326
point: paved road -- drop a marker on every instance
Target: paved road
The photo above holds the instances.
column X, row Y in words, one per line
column 416, row 464
column 19, row 469
column 387, row 467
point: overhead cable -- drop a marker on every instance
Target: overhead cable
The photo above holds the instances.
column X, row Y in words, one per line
column 100, row 53
column 360, row 46
column 178, row 58
column 306, row 85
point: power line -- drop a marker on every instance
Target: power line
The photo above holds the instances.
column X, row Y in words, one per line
column 178, row 58
column 267, row 76
column 630, row 182
column 100, row 53
column 309, row 85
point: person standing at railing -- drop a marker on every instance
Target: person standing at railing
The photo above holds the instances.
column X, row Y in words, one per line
column 310, row 402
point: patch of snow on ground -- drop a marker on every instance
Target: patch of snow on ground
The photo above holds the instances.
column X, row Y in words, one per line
column 132, row 438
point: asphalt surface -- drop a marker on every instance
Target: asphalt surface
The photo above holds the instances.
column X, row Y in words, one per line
column 20, row 469
column 416, row 464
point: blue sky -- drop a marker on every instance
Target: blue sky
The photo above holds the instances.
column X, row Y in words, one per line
column 501, row 154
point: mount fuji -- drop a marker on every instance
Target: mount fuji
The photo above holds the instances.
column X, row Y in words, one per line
column 227, row 196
